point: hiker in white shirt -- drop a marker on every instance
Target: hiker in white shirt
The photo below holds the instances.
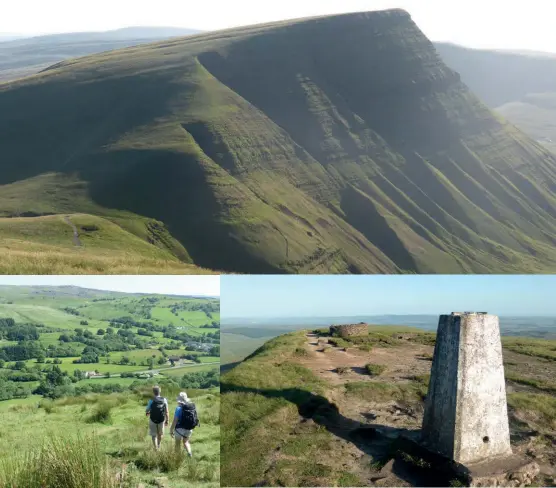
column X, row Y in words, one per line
column 185, row 420
column 159, row 416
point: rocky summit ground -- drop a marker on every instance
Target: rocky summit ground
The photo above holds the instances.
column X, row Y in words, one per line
column 333, row 411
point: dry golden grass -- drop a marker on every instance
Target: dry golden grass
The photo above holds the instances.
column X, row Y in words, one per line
column 22, row 257
column 45, row 245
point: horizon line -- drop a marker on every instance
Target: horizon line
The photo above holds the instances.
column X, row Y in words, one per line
column 118, row 291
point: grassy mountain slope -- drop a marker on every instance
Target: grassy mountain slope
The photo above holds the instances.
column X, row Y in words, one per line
column 331, row 145
column 304, row 411
column 102, row 441
column 37, row 238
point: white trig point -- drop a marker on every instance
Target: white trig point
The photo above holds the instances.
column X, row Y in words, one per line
column 466, row 413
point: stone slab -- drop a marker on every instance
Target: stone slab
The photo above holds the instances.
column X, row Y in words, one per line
column 502, row 471
column 508, row 471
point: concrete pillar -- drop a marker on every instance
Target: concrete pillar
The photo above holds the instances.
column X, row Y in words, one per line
column 466, row 414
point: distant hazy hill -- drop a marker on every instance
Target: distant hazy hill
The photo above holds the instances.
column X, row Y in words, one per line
column 5, row 37
column 337, row 144
column 24, row 56
column 519, row 85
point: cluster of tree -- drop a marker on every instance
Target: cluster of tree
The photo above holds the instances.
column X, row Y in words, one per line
column 55, row 351
column 12, row 389
column 128, row 323
column 145, row 332
column 212, row 325
column 55, row 384
column 125, row 360
column 201, row 379
column 132, row 375
column 211, row 337
column 11, row 331
column 208, row 308
column 180, row 335
column 107, row 341
column 22, row 376
column 71, row 311
column 171, row 332
column 21, row 351
column 150, row 362
column 90, row 355
column 90, row 387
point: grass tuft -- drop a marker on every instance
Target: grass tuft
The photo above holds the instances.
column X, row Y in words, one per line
column 60, row 462
column 375, row 369
column 102, row 414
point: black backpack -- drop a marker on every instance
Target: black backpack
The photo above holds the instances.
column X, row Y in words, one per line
column 158, row 410
column 188, row 417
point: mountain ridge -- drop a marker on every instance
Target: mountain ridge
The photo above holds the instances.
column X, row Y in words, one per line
column 335, row 144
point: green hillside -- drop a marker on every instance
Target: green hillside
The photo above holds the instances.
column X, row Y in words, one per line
column 307, row 409
column 338, row 144
column 60, row 341
column 101, row 441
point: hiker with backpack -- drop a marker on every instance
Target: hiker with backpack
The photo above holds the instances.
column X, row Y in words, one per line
column 159, row 416
column 185, row 420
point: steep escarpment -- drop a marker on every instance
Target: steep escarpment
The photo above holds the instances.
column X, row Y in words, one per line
column 328, row 145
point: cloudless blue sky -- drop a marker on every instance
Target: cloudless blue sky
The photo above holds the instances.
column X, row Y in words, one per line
column 172, row 285
column 328, row 296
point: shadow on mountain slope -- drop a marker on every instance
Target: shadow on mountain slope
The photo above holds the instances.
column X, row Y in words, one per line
column 381, row 442
column 152, row 183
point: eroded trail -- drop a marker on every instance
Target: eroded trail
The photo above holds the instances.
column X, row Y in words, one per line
column 76, row 240
column 368, row 423
column 401, row 363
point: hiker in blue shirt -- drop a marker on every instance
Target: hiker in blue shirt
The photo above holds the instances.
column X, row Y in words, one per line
column 185, row 420
column 159, row 416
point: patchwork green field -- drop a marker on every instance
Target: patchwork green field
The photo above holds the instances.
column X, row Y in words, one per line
column 355, row 150
column 57, row 341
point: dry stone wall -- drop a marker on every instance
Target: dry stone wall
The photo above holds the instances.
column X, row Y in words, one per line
column 349, row 330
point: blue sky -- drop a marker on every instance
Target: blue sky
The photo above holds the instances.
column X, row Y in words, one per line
column 172, row 285
column 515, row 24
column 322, row 296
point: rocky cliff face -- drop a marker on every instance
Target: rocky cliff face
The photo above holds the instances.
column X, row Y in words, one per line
column 334, row 144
